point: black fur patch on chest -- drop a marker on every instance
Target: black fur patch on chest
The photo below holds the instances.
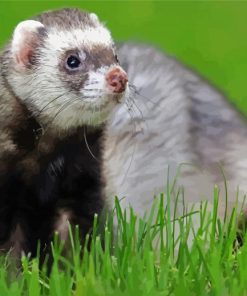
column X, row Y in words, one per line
column 69, row 178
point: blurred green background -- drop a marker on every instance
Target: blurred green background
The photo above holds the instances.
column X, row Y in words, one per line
column 210, row 36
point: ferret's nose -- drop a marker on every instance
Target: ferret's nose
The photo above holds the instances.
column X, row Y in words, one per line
column 117, row 80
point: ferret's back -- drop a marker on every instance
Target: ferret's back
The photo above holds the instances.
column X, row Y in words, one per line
column 175, row 117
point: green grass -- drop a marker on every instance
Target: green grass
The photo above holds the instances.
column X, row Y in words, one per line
column 131, row 260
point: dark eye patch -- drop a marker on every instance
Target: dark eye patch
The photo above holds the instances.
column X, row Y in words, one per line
column 74, row 73
column 73, row 69
column 101, row 56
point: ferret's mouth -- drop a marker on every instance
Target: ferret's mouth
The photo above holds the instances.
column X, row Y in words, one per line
column 102, row 100
column 108, row 103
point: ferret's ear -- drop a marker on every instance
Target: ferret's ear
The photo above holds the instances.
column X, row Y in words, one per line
column 94, row 17
column 26, row 38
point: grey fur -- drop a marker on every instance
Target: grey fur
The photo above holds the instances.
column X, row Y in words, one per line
column 66, row 19
column 177, row 117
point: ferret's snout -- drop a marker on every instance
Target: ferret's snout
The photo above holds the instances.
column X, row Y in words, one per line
column 117, row 80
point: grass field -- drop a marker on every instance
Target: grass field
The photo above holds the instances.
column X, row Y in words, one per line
column 135, row 262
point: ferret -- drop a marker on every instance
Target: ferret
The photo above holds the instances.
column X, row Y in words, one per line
column 78, row 129
column 59, row 81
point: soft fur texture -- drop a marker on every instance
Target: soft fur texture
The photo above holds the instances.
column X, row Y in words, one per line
column 175, row 117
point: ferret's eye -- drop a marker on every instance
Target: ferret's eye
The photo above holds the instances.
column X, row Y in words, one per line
column 73, row 62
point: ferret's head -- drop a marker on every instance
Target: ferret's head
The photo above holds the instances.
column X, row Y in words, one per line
column 64, row 68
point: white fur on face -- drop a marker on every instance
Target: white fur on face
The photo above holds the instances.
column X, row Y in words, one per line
column 47, row 95
column 88, row 37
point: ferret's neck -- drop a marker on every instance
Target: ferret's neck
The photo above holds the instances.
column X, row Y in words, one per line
column 27, row 132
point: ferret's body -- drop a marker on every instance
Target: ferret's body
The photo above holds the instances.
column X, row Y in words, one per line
column 176, row 117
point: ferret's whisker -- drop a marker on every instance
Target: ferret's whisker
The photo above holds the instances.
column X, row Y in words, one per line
column 132, row 104
column 137, row 92
column 140, row 111
column 53, row 100
column 64, row 106
column 87, row 145
column 47, row 107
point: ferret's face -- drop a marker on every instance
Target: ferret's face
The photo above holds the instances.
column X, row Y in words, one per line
column 67, row 74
